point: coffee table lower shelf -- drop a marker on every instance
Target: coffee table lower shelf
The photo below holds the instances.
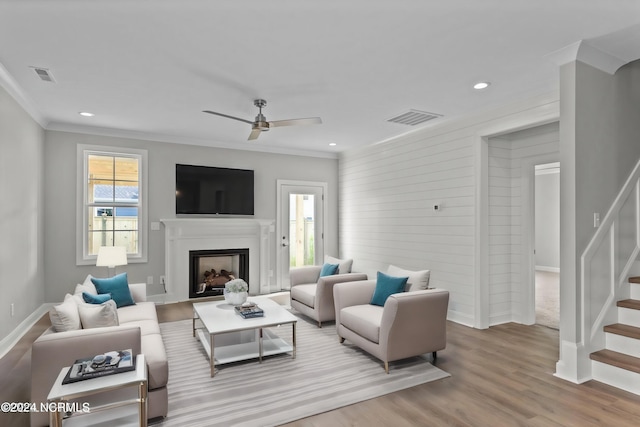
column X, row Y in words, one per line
column 243, row 345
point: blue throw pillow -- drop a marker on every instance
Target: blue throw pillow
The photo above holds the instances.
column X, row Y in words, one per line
column 329, row 269
column 118, row 287
column 387, row 285
column 95, row 299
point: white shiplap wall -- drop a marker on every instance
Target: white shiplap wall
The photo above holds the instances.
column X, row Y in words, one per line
column 507, row 154
column 387, row 217
column 387, row 193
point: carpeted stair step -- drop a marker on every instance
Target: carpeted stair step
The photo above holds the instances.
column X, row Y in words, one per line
column 624, row 330
column 619, row 360
column 633, row 304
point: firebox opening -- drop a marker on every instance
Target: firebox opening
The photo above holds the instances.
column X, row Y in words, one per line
column 211, row 269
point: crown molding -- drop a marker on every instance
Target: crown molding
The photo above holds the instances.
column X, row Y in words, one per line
column 584, row 51
column 147, row 136
column 11, row 86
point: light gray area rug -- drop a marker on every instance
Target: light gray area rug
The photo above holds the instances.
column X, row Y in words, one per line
column 324, row 376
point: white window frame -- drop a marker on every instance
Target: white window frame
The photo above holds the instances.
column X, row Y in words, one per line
column 83, row 152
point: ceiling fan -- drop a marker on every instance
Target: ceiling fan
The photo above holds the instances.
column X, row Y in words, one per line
column 260, row 124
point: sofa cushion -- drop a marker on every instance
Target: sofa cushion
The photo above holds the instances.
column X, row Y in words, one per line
column 117, row 286
column 140, row 311
column 387, row 285
column 98, row 315
column 65, row 317
column 329, row 269
column 364, row 320
column 306, row 294
column 418, row 280
column 344, row 264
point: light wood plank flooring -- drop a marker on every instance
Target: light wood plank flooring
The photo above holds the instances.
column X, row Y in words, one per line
column 502, row 376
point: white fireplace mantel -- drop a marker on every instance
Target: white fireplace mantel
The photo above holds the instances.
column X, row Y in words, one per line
column 189, row 234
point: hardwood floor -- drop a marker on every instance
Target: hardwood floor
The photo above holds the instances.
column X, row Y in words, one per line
column 501, row 376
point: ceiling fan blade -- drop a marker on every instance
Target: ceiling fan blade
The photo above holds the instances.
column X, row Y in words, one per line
column 255, row 133
column 295, row 122
column 227, row 116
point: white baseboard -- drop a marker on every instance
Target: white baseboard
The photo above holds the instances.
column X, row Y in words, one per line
column 12, row 339
column 549, row 269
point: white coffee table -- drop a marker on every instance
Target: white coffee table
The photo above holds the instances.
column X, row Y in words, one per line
column 237, row 338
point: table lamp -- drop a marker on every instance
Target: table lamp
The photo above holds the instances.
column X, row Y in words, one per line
column 111, row 257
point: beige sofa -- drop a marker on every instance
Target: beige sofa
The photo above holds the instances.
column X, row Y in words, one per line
column 138, row 330
column 409, row 324
column 312, row 295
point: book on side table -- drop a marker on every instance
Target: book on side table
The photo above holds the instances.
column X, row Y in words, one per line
column 249, row 310
column 112, row 362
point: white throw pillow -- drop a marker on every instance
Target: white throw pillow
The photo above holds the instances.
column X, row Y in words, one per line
column 84, row 288
column 418, row 280
column 98, row 315
column 65, row 317
column 344, row 264
column 89, row 286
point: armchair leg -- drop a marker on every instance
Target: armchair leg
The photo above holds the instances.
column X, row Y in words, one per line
column 341, row 340
column 386, row 367
column 435, row 356
column 319, row 324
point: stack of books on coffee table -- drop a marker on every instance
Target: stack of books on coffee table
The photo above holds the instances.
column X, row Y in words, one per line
column 250, row 310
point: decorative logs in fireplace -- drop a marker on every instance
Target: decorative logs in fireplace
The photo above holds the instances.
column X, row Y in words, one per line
column 211, row 269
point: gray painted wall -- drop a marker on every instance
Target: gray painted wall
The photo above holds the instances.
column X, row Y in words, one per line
column 60, row 198
column 22, row 278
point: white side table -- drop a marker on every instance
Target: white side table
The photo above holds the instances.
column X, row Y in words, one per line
column 120, row 412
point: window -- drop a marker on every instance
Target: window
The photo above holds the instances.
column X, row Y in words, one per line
column 113, row 208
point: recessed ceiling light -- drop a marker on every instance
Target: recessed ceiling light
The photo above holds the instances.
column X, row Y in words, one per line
column 481, row 85
column 332, row 144
column 86, row 114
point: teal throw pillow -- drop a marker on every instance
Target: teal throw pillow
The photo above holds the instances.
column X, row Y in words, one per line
column 95, row 299
column 118, row 287
column 387, row 285
column 329, row 269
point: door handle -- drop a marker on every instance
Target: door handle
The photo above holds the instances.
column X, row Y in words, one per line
column 284, row 245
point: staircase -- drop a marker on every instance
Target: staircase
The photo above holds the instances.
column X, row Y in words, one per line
column 619, row 363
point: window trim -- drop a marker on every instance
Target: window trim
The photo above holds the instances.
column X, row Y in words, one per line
column 83, row 151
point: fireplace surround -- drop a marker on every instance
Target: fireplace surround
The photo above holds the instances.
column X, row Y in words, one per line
column 192, row 234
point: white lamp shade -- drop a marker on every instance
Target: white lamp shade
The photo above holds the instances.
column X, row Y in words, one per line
column 111, row 256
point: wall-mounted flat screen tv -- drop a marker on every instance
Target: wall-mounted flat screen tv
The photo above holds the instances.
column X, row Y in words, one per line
column 206, row 190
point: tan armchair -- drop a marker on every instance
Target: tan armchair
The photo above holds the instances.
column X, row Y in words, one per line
column 312, row 295
column 409, row 324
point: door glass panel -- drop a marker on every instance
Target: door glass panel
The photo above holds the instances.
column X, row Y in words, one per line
column 301, row 230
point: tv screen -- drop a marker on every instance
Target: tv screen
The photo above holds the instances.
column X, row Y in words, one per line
column 209, row 190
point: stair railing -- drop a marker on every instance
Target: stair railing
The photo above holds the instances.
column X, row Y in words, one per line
column 606, row 261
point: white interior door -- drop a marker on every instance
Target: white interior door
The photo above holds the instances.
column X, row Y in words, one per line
column 300, row 227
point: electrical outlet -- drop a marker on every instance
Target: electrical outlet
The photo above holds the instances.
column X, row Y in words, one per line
column 149, row 280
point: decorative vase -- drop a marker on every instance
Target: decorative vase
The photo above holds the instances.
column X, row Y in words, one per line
column 235, row 298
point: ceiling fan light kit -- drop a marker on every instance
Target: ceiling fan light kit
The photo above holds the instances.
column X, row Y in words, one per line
column 260, row 124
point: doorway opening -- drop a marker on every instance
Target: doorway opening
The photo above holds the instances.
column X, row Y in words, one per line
column 547, row 244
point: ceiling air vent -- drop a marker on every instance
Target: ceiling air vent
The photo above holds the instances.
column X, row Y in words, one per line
column 414, row 117
column 44, row 74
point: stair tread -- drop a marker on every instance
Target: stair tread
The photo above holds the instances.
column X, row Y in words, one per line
column 629, row 303
column 634, row 279
column 624, row 330
column 624, row 361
